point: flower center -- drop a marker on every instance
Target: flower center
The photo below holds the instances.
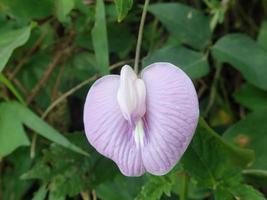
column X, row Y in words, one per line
column 132, row 101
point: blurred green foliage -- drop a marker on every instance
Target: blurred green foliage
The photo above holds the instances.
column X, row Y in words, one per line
column 50, row 50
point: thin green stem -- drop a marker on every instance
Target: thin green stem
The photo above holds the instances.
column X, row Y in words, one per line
column 67, row 94
column 184, row 189
column 140, row 36
column 1, row 177
column 33, row 145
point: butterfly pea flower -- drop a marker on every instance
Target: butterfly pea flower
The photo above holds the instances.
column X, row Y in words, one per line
column 143, row 123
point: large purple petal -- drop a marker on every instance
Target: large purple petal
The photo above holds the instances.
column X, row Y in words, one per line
column 171, row 117
column 106, row 128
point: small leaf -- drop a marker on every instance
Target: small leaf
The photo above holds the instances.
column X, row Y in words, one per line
column 193, row 63
column 63, row 8
column 251, row 133
column 251, row 97
column 10, row 40
column 156, row 186
column 99, row 37
column 245, row 55
column 188, row 25
column 123, row 7
column 12, row 134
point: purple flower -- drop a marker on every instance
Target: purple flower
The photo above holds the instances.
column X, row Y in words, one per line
column 143, row 124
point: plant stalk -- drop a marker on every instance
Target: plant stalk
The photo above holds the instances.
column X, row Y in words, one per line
column 184, row 189
column 140, row 36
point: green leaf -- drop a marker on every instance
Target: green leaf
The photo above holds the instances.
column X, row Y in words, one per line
column 222, row 194
column 245, row 55
column 12, row 134
column 262, row 37
column 63, row 8
column 53, row 196
column 80, row 67
column 240, row 191
column 210, row 167
column 73, row 174
column 188, row 25
column 18, row 163
column 247, row 192
column 31, row 120
column 126, row 188
column 10, row 40
column 41, row 193
column 234, row 188
column 156, row 186
column 30, row 75
column 186, row 186
column 120, row 42
column 209, row 160
column 193, row 63
column 204, row 165
column 251, row 97
column 28, row 9
column 64, row 176
column 10, row 86
column 251, row 132
column 123, row 7
column 99, row 37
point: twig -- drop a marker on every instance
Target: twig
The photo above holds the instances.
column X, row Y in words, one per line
column 54, row 104
column 65, row 95
column 184, row 187
column 64, row 49
column 140, row 36
column 20, row 86
column 68, row 93
column 1, row 184
column 25, row 58
column 85, row 195
column 213, row 89
column 46, row 75
column 202, row 88
column 79, row 86
column 55, row 88
column 121, row 63
column 33, row 146
column 94, row 195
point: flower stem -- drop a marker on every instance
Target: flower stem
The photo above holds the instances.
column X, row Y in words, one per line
column 140, row 35
column 184, row 189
